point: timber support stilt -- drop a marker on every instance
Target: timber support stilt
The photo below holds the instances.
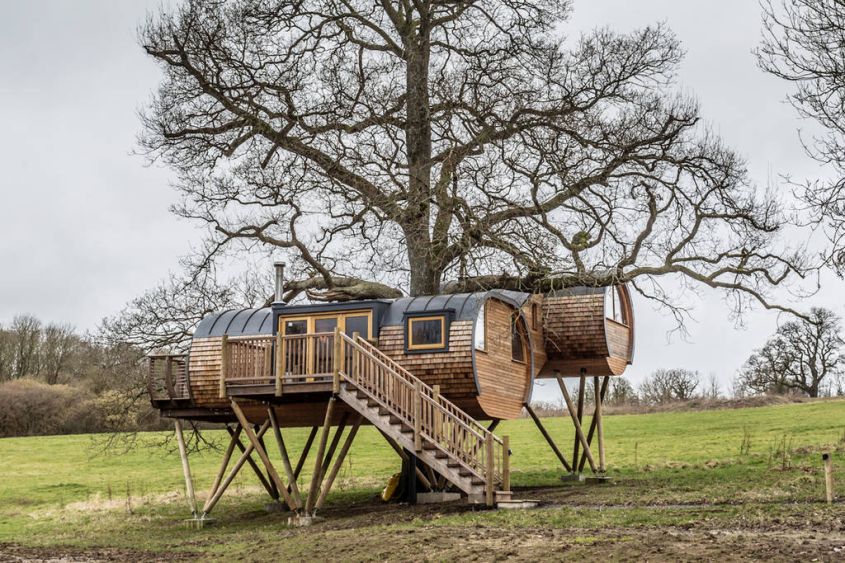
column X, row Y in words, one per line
column 186, row 468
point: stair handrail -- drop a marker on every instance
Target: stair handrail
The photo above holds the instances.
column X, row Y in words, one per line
column 475, row 457
column 429, row 391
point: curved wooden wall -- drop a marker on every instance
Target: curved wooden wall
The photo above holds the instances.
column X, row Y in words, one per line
column 578, row 334
column 504, row 384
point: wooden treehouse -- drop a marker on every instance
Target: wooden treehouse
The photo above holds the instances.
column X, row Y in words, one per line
column 423, row 370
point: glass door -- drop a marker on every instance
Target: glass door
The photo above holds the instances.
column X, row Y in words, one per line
column 323, row 349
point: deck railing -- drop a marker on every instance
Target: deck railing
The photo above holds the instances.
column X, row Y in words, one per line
column 276, row 360
column 167, row 377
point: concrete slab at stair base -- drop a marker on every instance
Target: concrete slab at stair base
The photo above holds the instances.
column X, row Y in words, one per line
column 573, row 478
column 598, row 480
column 481, row 498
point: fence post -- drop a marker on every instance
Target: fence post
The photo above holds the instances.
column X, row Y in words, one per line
column 506, row 463
column 224, row 364
column 828, row 477
column 490, row 469
column 417, row 416
column 336, row 359
column 280, row 363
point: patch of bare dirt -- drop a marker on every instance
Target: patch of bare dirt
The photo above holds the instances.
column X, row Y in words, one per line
column 11, row 553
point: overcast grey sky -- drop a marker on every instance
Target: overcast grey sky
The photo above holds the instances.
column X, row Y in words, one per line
column 85, row 225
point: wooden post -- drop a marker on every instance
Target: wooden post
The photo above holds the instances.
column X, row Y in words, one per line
column 506, row 463
column 828, row 477
column 283, row 451
column 547, row 437
column 186, row 468
column 318, row 463
column 417, row 416
column 305, row 449
column 338, row 433
column 581, row 391
column 337, row 360
column 356, row 358
column 579, row 433
column 280, row 363
column 438, row 417
column 224, row 364
column 254, row 466
column 599, row 424
column 245, row 455
column 592, row 428
column 491, row 471
column 337, row 464
column 262, row 454
column 227, row 456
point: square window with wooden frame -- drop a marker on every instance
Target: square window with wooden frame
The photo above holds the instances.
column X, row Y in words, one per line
column 426, row 333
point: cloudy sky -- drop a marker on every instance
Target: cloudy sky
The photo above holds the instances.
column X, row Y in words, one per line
column 85, row 224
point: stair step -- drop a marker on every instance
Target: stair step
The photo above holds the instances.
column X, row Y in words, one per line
column 429, row 446
column 440, row 454
column 372, row 403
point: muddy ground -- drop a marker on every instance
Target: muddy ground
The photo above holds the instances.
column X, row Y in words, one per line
column 372, row 531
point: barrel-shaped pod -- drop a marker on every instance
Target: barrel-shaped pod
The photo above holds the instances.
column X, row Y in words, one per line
column 588, row 329
column 473, row 363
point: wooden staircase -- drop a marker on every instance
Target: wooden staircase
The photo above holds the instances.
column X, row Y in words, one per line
column 418, row 419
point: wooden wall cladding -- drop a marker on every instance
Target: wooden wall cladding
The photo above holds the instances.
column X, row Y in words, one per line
column 575, row 326
column 532, row 309
column 503, row 383
column 451, row 370
column 204, row 368
column 578, row 336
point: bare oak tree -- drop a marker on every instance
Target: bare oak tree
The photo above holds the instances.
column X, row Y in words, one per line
column 801, row 356
column 409, row 144
column 804, row 43
column 667, row 385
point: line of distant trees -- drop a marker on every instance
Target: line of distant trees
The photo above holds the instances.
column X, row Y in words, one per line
column 803, row 358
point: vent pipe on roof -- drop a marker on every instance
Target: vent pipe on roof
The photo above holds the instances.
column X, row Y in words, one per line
column 280, row 281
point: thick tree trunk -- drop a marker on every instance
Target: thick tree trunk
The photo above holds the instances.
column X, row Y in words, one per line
column 416, row 223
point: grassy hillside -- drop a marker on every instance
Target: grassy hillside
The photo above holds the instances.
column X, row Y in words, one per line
column 64, row 491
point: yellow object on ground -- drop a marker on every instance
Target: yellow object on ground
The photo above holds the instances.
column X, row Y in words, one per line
column 391, row 487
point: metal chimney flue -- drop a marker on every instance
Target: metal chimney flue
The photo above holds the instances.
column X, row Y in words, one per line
column 280, row 281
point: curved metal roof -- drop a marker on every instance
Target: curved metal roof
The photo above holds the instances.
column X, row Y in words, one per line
column 465, row 305
column 236, row 322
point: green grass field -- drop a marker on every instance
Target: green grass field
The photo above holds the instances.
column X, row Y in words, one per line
column 757, row 465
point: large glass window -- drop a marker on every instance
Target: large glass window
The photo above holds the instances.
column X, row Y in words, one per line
column 613, row 306
column 359, row 324
column 481, row 329
column 425, row 333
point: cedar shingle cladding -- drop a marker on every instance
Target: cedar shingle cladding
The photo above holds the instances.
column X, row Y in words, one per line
column 204, row 368
column 452, row 370
column 578, row 336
